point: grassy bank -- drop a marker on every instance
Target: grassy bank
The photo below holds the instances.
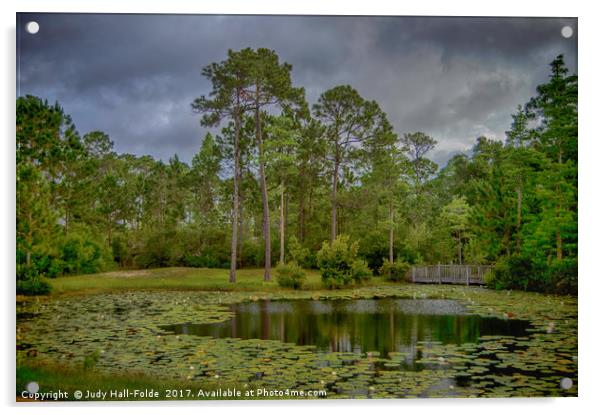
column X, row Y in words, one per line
column 206, row 279
column 54, row 378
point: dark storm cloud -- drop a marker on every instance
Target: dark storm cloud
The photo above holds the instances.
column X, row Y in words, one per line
column 134, row 76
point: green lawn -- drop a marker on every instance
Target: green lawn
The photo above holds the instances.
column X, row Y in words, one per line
column 69, row 379
column 177, row 279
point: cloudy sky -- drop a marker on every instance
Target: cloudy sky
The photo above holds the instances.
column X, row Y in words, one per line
column 134, row 76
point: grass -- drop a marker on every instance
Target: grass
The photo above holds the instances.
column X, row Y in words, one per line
column 179, row 278
column 52, row 378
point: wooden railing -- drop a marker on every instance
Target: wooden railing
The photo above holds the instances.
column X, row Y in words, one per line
column 450, row 274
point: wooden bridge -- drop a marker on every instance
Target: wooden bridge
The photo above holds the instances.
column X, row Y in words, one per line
column 450, row 274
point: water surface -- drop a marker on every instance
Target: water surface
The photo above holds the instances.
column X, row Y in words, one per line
column 373, row 325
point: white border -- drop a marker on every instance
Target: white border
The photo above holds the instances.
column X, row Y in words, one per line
column 590, row 231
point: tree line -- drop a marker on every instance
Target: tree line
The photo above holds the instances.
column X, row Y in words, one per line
column 282, row 176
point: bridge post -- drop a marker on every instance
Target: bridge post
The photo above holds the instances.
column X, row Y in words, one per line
column 439, row 272
column 468, row 275
column 413, row 274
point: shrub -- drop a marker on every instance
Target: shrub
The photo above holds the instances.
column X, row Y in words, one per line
column 373, row 247
column 339, row 265
column 519, row 272
column 119, row 250
column 290, row 275
column 298, row 253
column 81, row 252
column 360, row 270
column 525, row 273
column 489, row 279
column 159, row 250
column 394, row 271
column 252, row 253
column 201, row 261
column 32, row 285
column 55, row 268
column 563, row 276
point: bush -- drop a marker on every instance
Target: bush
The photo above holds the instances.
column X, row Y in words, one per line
column 298, row 253
column 525, row 273
column 160, row 250
column 290, row 275
column 119, row 250
column 339, row 265
column 209, row 257
column 81, row 252
column 394, row 271
column 373, row 247
column 563, row 276
column 46, row 265
column 489, row 279
column 252, row 253
column 32, row 285
column 360, row 270
column 514, row 272
column 201, row 261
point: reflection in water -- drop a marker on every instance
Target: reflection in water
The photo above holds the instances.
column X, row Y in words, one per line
column 383, row 325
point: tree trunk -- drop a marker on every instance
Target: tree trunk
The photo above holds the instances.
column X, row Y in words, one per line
column 302, row 216
column 558, row 234
column 519, row 215
column 235, row 196
column 460, row 249
column 335, row 180
column 264, row 197
column 110, row 230
column 310, row 201
column 506, row 238
column 282, row 222
column 391, row 231
column 240, row 220
column 29, row 238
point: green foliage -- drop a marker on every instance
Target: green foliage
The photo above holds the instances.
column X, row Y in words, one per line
column 456, row 217
column 417, row 145
column 489, row 279
column 206, row 260
column 394, row 271
column 162, row 249
column 339, row 265
column 339, row 169
column 519, row 272
column 48, row 266
column 119, row 250
column 185, row 247
column 525, row 273
column 360, row 271
column 290, row 275
column 298, row 253
column 81, row 253
column 29, row 283
column 563, row 276
column 373, row 247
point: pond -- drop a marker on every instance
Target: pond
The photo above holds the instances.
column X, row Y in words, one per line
column 361, row 326
column 406, row 341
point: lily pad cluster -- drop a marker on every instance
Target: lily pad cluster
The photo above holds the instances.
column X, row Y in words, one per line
column 124, row 331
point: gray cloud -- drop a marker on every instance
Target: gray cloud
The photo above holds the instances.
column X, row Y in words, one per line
column 134, row 76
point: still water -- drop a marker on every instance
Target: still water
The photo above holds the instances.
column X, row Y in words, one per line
column 361, row 326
